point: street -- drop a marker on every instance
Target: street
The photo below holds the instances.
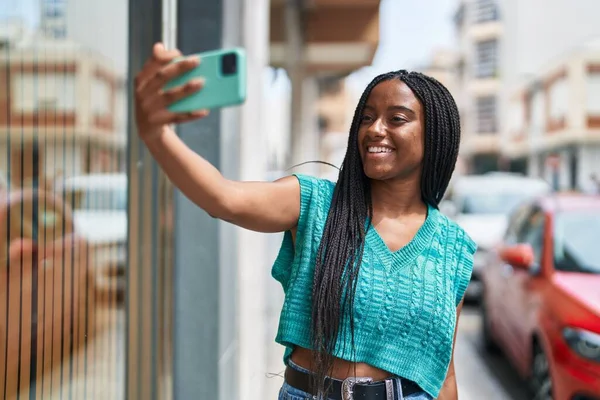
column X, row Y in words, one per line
column 481, row 375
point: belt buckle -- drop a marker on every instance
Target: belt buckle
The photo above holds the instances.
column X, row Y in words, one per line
column 349, row 383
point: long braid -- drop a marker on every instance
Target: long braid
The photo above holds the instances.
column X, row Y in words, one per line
column 340, row 251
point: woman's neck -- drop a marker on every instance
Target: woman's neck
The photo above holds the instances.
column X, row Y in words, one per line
column 397, row 197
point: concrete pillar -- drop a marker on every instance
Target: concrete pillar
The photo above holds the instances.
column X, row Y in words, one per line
column 220, row 270
column 253, row 265
column 204, row 345
column 305, row 125
column 311, row 149
column 142, row 373
column 296, row 73
column 577, row 109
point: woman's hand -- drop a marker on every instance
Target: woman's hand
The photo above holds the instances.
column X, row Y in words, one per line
column 259, row 206
column 151, row 101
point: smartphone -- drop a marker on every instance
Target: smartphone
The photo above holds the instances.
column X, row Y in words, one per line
column 224, row 74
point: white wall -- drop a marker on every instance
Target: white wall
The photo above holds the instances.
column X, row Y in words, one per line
column 538, row 31
column 33, row 91
column 589, row 162
column 58, row 159
column 108, row 34
column 255, row 334
column 536, row 35
column 276, row 114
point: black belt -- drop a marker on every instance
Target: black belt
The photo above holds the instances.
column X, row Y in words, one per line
column 381, row 390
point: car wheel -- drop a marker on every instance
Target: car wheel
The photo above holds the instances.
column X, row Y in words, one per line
column 541, row 379
column 489, row 343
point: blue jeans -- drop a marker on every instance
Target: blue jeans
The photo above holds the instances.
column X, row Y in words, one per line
column 290, row 393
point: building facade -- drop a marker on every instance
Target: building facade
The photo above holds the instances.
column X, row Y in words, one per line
column 444, row 66
column 479, row 28
column 549, row 90
column 61, row 105
column 553, row 120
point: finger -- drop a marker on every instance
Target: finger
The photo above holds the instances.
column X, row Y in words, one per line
column 160, row 57
column 165, row 74
column 163, row 99
column 164, row 117
column 168, row 72
column 192, row 116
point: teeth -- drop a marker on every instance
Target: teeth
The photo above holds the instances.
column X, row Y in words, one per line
column 373, row 149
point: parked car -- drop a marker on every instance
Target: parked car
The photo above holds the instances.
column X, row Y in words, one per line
column 46, row 307
column 480, row 204
column 100, row 212
column 541, row 298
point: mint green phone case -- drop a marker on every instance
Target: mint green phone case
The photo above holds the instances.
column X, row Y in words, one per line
column 220, row 90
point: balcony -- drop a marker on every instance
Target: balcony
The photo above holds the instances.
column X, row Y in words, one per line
column 559, row 106
column 486, row 23
column 339, row 35
column 68, row 92
column 476, row 144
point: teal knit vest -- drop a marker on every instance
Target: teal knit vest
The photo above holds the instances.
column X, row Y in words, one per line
column 405, row 304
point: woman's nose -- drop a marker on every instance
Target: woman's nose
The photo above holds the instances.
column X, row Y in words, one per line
column 377, row 129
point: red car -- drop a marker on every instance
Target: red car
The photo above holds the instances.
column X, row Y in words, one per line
column 541, row 299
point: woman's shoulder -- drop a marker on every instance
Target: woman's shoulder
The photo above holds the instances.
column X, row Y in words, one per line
column 315, row 200
column 315, row 186
column 462, row 238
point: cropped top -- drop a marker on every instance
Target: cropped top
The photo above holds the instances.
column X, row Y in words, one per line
column 405, row 301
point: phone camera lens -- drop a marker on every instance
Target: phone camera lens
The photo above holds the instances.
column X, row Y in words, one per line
column 229, row 64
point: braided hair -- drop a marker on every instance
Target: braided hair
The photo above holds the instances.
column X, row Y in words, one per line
column 340, row 252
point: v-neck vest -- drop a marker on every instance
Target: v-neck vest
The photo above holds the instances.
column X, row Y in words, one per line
column 405, row 301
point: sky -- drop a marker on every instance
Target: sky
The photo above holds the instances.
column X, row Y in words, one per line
column 27, row 9
column 410, row 31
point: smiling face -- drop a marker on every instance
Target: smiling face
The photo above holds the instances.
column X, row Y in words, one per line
column 390, row 137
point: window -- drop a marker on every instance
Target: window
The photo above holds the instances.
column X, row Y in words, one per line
column 593, row 93
column 493, row 203
column 459, row 16
column 60, row 32
column 486, row 63
column 538, row 114
column 99, row 199
column 485, row 10
column 34, row 92
column 559, row 99
column 576, row 241
column 486, row 115
column 515, row 224
column 101, row 97
column 54, row 9
column 532, row 233
column 47, row 104
column 54, row 12
column 516, row 116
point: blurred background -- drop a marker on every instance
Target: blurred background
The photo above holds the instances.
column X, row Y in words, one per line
column 114, row 286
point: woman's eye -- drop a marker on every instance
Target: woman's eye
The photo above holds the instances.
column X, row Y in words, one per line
column 366, row 118
column 398, row 119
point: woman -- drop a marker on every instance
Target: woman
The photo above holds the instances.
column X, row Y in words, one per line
column 374, row 243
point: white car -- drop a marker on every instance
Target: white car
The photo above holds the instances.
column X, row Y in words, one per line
column 100, row 215
column 480, row 204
